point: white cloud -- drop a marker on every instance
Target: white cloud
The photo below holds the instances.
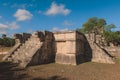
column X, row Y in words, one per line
column 10, row 26
column 67, row 23
column 13, row 26
column 57, row 29
column 3, row 32
column 22, row 15
column 57, row 9
column 3, row 26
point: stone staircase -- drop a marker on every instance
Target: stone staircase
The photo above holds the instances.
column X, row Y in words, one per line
column 11, row 52
column 114, row 51
column 25, row 53
column 37, row 49
column 99, row 54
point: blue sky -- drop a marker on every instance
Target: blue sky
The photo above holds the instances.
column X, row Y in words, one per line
column 18, row 16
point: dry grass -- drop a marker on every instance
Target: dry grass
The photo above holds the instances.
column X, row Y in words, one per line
column 85, row 71
column 5, row 49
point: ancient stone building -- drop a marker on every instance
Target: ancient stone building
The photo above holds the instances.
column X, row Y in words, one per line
column 70, row 47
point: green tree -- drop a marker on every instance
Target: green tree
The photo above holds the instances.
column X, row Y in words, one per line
column 6, row 41
column 112, row 37
column 94, row 25
column 4, row 36
column 109, row 27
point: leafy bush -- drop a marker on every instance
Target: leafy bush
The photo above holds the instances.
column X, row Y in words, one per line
column 113, row 37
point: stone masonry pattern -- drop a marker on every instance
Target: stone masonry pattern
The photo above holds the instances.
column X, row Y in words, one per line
column 70, row 47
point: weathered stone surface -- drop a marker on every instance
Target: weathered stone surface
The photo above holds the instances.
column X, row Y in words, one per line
column 70, row 47
column 66, row 59
column 21, row 38
column 37, row 49
column 46, row 53
column 99, row 54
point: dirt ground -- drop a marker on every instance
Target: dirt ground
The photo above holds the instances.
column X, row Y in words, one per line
column 85, row 71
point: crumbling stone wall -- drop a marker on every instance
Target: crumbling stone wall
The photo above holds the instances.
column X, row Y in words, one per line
column 99, row 54
column 21, row 38
column 114, row 51
column 46, row 53
column 38, row 49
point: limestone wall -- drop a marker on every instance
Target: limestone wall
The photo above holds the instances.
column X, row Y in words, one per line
column 65, row 47
column 46, row 53
column 72, row 48
column 63, row 36
column 113, row 50
column 99, row 54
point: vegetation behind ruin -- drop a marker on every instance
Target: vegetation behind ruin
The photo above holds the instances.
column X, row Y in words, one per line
column 99, row 26
column 6, row 41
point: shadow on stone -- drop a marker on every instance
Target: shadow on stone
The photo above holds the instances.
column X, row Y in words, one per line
column 84, row 49
column 46, row 54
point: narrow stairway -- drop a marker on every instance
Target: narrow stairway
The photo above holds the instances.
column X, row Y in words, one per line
column 24, row 54
column 99, row 54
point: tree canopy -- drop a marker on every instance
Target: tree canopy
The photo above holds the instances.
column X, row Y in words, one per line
column 94, row 25
column 99, row 26
column 109, row 27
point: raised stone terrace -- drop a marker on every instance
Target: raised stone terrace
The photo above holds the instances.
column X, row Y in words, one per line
column 70, row 47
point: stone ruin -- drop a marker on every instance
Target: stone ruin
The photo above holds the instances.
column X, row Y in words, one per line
column 70, row 47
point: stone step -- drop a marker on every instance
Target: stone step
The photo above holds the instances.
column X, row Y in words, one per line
column 33, row 42
column 37, row 39
column 29, row 45
column 24, row 54
column 16, row 52
column 25, row 48
column 33, row 38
